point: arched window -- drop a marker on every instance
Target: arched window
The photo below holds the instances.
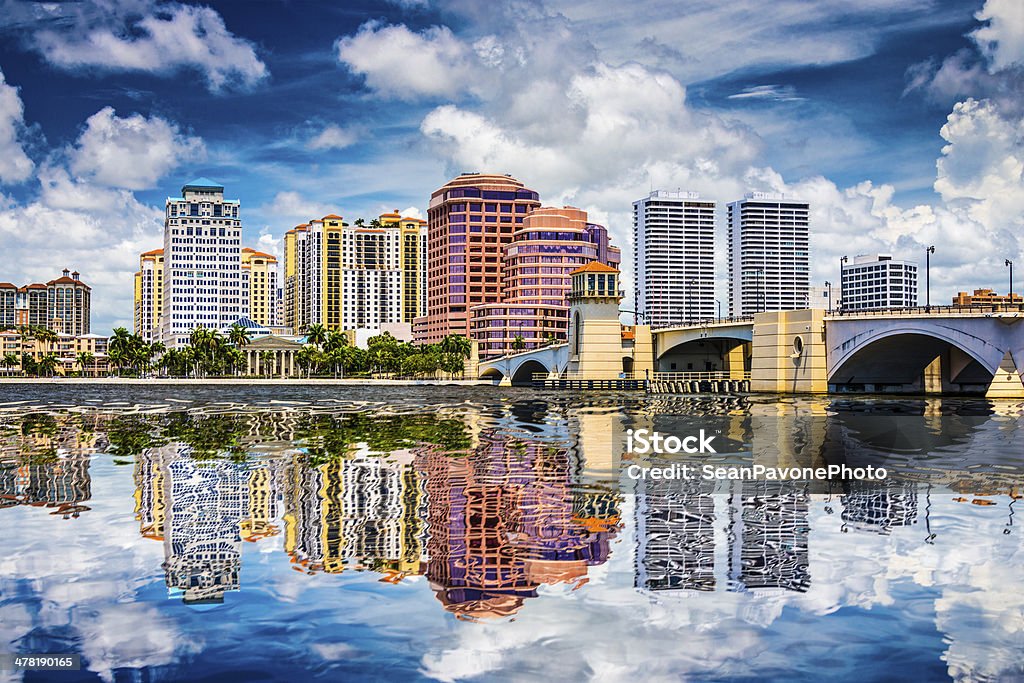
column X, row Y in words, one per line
column 577, row 333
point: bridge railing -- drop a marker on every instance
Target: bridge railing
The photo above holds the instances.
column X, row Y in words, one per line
column 975, row 309
column 712, row 376
column 706, row 321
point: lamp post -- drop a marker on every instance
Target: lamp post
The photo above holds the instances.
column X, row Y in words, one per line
column 829, row 285
column 719, row 305
column 842, row 285
column 1009, row 263
column 928, row 278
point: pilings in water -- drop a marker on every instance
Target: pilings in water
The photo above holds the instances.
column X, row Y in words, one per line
column 705, row 386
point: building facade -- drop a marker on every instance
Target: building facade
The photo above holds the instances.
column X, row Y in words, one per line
column 63, row 305
column 877, row 281
column 259, row 286
column 674, row 258
column 68, row 303
column 769, row 253
column 534, row 310
column 986, row 297
column 149, row 295
column 202, row 262
column 348, row 277
column 470, row 220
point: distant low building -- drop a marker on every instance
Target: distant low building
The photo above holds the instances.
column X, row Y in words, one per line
column 986, row 297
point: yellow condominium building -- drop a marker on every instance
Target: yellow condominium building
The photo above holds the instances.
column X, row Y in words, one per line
column 348, row 277
column 149, row 294
column 259, row 286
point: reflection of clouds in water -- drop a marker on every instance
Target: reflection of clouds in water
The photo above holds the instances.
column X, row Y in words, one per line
column 671, row 634
column 87, row 574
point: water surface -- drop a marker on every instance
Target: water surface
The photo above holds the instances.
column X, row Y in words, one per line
column 469, row 533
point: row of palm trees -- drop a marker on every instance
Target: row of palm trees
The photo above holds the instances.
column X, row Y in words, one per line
column 210, row 353
column 27, row 363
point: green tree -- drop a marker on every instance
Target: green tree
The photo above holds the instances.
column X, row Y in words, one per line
column 518, row 343
column 266, row 360
column 10, row 360
column 84, row 359
column 238, row 337
column 47, row 365
column 316, row 335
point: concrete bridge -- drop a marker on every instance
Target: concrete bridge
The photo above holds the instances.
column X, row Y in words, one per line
column 519, row 368
column 810, row 351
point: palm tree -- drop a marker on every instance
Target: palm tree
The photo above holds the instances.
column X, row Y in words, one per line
column 47, row 364
column 266, row 358
column 119, row 348
column 316, row 335
column 518, row 343
column 84, row 359
column 237, row 336
column 10, row 360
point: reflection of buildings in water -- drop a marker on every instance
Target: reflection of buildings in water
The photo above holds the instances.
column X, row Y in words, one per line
column 879, row 506
column 202, row 510
column 202, row 542
column 505, row 520
column 360, row 512
column 63, row 484
column 705, row 536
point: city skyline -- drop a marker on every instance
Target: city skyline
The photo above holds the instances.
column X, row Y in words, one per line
column 895, row 121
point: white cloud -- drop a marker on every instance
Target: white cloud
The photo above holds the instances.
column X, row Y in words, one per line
column 412, row 212
column 156, row 37
column 776, row 93
column 983, row 164
column 333, row 137
column 1002, row 39
column 15, row 165
column 291, row 208
column 385, row 56
column 131, row 153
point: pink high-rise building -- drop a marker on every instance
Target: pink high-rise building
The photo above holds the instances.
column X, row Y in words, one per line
column 470, row 220
column 545, row 249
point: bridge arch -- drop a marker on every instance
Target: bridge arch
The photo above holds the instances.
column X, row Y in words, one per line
column 704, row 349
column 913, row 359
column 522, row 374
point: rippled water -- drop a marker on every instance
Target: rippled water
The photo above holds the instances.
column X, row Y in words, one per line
column 456, row 533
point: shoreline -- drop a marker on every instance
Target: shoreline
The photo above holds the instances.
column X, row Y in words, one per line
column 240, row 381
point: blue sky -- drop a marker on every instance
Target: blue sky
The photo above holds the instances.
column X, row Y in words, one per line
column 900, row 120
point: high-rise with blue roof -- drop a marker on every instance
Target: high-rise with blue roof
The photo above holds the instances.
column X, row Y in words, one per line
column 202, row 262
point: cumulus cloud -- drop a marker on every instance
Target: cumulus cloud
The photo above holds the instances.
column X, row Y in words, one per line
column 982, row 163
column 291, row 208
column 142, row 35
column 132, row 152
column 333, row 137
column 15, row 165
column 1002, row 38
column 85, row 215
column 383, row 55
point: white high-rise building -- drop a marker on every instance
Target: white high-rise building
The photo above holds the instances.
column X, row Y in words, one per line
column 877, row 281
column 674, row 258
column 769, row 254
column 202, row 262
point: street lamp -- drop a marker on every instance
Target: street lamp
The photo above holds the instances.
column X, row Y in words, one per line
column 928, row 278
column 1010, row 264
column 719, row 304
column 829, row 285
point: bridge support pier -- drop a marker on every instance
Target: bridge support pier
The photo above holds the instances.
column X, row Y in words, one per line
column 1007, row 381
column 789, row 352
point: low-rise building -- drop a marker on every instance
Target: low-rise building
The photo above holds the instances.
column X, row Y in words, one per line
column 986, row 297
